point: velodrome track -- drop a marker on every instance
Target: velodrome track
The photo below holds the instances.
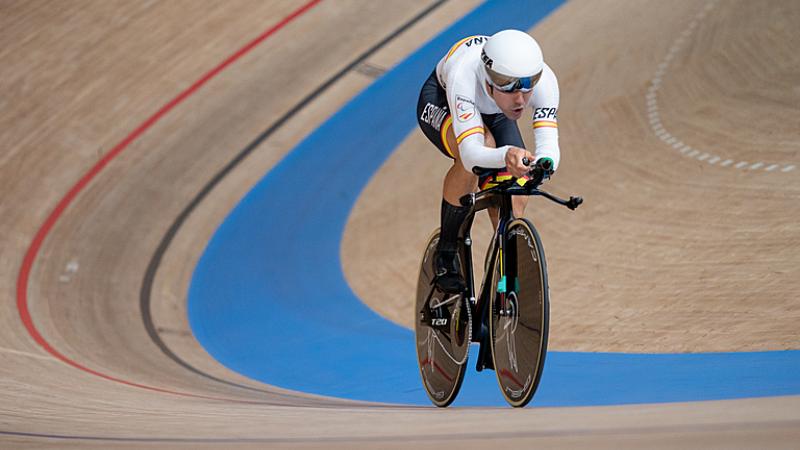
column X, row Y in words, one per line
column 688, row 241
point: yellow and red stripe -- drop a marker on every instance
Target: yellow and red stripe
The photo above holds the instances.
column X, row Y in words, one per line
column 446, row 126
column 499, row 177
column 456, row 45
column 495, row 179
column 545, row 124
column 469, row 132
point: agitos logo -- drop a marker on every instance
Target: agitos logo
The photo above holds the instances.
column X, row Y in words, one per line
column 465, row 108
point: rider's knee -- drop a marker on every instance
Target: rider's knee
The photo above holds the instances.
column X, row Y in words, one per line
column 463, row 172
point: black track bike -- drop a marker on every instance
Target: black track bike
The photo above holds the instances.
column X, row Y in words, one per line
column 508, row 317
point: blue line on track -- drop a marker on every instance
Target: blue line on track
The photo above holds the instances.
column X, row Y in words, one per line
column 268, row 298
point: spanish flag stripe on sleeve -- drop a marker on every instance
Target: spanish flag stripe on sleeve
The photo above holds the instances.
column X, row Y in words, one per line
column 457, row 44
column 545, row 123
column 469, row 132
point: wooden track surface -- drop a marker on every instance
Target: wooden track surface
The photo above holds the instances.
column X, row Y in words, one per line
column 670, row 253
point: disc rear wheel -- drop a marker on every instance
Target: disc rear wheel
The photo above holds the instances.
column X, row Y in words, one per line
column 442, row 327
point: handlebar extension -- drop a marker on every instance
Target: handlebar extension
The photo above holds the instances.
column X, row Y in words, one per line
column 544, row 164
column 542, row 170
column 574, row 202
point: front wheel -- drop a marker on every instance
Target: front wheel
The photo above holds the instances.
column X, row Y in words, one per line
column 519, row 313
column 442, row 328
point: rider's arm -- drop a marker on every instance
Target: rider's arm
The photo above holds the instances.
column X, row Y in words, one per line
column 468, row 125
column 475, row 154
column 545, row 117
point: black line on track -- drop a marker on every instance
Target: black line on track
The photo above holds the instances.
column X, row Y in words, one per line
column 155, row 261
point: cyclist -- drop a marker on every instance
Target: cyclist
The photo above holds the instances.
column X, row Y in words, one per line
column 468, row 108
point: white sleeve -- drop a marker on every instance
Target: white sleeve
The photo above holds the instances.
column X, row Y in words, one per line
column 545, row 117
column 475, row 154
column 468, row 125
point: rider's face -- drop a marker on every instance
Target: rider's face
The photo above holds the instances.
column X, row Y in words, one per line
column 511, row 103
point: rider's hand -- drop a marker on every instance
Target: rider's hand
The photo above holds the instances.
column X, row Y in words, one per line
column 514, row 157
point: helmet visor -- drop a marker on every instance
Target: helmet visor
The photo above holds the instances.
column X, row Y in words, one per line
column 505, row 83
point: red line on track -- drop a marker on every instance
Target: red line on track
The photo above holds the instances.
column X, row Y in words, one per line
column 47, row 226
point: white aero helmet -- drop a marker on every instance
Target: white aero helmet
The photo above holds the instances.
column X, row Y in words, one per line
column 513, row 61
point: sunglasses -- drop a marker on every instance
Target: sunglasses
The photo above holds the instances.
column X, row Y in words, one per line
column 509, row 85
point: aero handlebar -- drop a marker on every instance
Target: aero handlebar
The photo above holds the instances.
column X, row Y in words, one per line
column 540, row 172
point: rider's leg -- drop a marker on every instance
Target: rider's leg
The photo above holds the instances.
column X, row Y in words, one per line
column 457, row 182
column 518, row 204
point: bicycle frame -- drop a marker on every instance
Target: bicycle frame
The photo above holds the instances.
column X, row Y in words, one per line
column 449, row 323
column 498, row 196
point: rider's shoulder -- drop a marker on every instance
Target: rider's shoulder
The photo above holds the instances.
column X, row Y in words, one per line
column 460, row 69
column 547, row 72
column 467, row 44
column 549, row 81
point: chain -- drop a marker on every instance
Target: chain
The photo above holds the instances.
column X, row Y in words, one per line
column 469, row 335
